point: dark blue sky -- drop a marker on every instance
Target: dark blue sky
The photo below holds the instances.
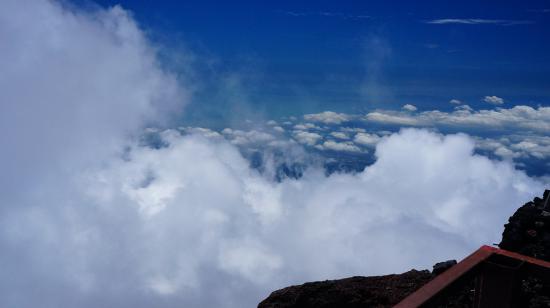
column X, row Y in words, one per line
column 354, row 56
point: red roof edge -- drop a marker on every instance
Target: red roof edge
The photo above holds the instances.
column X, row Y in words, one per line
column 469, row 265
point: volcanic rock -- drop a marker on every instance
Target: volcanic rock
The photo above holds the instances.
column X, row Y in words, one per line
column 528, row 230
column 440, row 267
column 375, row 291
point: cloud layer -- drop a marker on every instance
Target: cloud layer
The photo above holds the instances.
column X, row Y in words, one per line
column 191, row 224
column 92, row 217
column 520, row 117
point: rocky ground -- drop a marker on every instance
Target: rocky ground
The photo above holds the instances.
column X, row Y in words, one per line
column 377, row 291
column 528, row 230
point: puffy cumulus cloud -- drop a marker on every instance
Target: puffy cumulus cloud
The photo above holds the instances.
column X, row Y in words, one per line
column 455, row 101
column 306, row 126
column 495, row 100
column 517, row 117
column 515, row 143
column 393, row 117
column 536, row 146
column 205, row 132
column 240, row 137
column 339, row 135
column 506, row 153
column 409, row 107
column 332, row 145
column 366, row 139
column 517, row 146
column 327, row 117
column 306, row 138
column 464, row 108
column 278, row 129
column 353, row 129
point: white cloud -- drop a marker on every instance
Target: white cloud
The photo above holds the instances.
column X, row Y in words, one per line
column 478, row 21
column 455, row 101
column 339, row 135
column 327, row 117
column 518, row 117
column 464, row 109
column 409, row 107
column 353, row 129
column 391, row 117
column 240, row 137
column 366, row 139
column 205, row 132
column 332, row 145
column 278, row 129
column 74, row 84
column 505, row 153
column 220, row 234
column 306, row 126
column 495, row 100
column 252, row 261
column 517, row 146
column 258, row 234
column 306, row 137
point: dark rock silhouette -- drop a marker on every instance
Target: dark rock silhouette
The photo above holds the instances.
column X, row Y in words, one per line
column 440, row 267
column 528, row 230
column 376, row 291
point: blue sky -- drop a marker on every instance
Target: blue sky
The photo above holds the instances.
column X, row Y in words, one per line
column 254, row 61
column 354, row 56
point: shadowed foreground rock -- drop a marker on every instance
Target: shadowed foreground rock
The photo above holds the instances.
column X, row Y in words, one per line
column 375, row 291
column 528, row 230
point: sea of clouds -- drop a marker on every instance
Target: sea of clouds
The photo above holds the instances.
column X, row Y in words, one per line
column 92, row 217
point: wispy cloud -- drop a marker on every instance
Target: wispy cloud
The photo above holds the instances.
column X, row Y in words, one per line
column 326, row 14
column 431, row 46
column 478, row 21
column 539, row 10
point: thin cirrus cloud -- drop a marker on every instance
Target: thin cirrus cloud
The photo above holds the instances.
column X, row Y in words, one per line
column 478, row 21
column 326, row 14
